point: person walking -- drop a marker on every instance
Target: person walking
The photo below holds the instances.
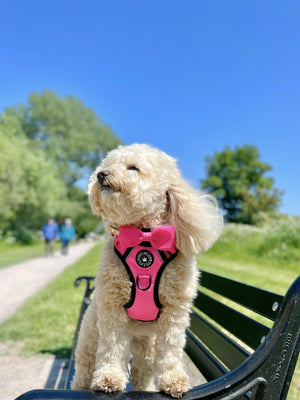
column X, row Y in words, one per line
column 50, row 232
column 67, row 233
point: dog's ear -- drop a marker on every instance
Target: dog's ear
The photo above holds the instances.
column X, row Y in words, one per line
column 195, row 215
column 94, row 196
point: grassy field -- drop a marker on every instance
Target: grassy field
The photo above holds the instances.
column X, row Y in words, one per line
column 266, row 257
column 15, row 253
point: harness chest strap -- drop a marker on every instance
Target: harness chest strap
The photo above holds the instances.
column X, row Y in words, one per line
column 144, row 265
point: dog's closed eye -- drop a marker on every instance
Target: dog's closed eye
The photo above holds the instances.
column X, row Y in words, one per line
column 133, row 168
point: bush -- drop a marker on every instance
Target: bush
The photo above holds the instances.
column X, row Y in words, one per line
column 25, row 236
column 281, row 239
column 277, row 241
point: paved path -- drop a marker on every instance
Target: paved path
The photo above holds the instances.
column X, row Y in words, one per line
column 19, row 374
column 21, row 281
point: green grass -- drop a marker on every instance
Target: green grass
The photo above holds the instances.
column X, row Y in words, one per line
column 267, row 257
column 16, row 253
column 256, row 274
column 46, row 323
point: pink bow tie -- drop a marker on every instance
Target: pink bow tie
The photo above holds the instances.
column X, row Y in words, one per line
column 161, row 238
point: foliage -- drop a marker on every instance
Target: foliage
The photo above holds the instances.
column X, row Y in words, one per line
column 69, row 133
column 78, row 209
column 274, row 245
column 30, row 188
column 46, row 146
column 237, row 178
column 281, row 240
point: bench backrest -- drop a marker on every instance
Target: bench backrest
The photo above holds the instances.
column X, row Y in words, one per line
column 221, row 337
column 241, row 356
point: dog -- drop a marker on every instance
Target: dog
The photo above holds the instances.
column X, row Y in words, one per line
column 155, row 217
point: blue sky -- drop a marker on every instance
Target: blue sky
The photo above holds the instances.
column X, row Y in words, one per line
column 187, row 76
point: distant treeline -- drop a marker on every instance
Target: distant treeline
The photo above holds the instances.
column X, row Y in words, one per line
column 47, row 146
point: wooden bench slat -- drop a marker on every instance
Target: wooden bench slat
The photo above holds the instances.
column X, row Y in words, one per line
column 241, row 326
column 258, row 300
column 209, row 366
column 229, row 352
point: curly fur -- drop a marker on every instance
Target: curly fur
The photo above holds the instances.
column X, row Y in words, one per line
column 143, row 186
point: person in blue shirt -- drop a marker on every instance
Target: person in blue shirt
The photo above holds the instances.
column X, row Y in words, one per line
column 50, row 232
column 67, row 233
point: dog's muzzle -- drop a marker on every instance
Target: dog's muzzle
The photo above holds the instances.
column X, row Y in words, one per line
column 102, row 177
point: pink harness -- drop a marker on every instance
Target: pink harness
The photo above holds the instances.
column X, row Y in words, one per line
column 145, row 255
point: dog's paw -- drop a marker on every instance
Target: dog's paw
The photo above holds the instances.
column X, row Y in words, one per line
column 108, row 383
column 174, row 383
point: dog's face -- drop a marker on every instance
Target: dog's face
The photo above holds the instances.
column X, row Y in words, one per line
column 131, row 183
column 141, row 185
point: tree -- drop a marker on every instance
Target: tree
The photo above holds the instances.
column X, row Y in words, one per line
column 69, row 133
column 237, row 179
column 78, row 209
column 46, row 146
column 30, row 188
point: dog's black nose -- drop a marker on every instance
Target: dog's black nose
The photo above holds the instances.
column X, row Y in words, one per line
column 102, row 175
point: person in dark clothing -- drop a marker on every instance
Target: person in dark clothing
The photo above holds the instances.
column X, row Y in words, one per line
column 67, row 233
column 50, row 232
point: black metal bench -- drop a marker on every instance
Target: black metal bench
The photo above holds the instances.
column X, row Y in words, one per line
column 240, row 356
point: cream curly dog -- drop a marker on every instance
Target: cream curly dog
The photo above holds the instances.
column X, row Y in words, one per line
column 141, row 186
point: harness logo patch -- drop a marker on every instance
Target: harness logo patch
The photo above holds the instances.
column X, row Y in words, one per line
column 144, row 259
